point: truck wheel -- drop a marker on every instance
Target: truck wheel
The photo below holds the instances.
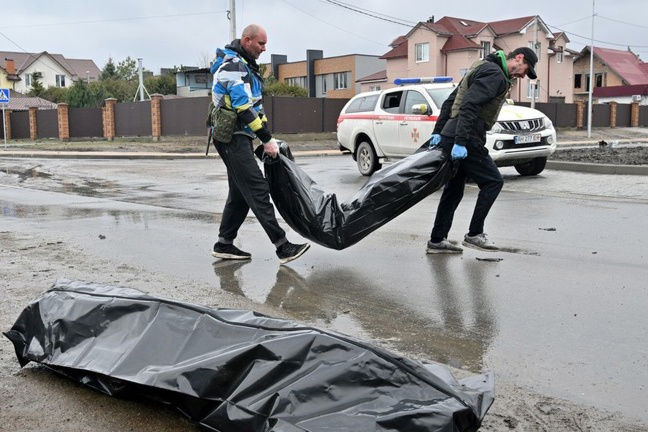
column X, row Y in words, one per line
column 531, row 168
column 367, row 159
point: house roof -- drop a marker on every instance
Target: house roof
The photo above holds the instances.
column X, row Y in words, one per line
column 460, row 32
column 74, row 67
column 629, row 90
column 514, row 25
column 378, row 76
column 624, row 63
column 399, row 50
column 20, row 102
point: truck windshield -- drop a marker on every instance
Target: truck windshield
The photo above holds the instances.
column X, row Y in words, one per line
column 440, row 94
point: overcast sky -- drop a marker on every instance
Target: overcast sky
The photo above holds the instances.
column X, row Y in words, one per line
column 167, row 33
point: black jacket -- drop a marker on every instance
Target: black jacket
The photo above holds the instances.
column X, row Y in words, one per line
column 488, row 82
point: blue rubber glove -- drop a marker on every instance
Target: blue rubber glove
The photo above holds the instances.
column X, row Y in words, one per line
column 435, row 140
column 458, row 151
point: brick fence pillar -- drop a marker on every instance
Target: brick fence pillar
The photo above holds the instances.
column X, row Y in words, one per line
column 7, row 123
column 33, row 125
column 613, row 114
column 579, row 114
column 634, row 114
column 63, row 122
column 108, row 114
column 156, row 116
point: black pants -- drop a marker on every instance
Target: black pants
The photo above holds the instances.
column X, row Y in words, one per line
column 482, row 170
column 248, row 189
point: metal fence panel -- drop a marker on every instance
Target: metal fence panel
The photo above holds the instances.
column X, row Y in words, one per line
column 296, row 115
column 624, row 115
column 20, row 125
column 133, row 119
column 184, row 116
column 643, row 115
column 600, row 115
column 47, row 121
column 332, row 109
column 85, row 122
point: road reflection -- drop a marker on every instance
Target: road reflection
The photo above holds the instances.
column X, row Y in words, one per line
column 450, row 319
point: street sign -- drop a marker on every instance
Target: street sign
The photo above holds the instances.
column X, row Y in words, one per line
column 4, row 95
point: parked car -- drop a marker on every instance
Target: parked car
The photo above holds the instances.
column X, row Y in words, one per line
column 379, row 126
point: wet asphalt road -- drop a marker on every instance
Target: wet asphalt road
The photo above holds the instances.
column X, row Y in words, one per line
column 561, row 309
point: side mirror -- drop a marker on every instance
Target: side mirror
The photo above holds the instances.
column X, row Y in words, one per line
column 420, row 109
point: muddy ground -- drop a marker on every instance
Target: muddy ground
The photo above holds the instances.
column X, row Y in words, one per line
column 626, row 155
column 35, row 399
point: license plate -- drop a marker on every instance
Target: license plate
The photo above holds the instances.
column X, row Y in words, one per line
column 531, row 138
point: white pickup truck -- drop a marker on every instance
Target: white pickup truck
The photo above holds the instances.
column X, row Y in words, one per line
column 382, row 125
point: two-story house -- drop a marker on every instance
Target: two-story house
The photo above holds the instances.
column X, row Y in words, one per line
column 449, row 46
column 619, row 76
column 54, row 69
column 327, row 77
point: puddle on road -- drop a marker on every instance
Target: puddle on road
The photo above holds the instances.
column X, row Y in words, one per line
column 59, row 212
column 30, row 173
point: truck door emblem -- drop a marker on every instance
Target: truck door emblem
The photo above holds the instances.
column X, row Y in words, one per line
column 415, row 135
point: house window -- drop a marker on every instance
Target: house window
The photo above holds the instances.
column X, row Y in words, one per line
column 599, row 79
column 60, row 80
column 422, row 52
column 531, row 86
column 578, row 81
column 374, row 88
column 28, row 80
column 323, row 84
column 559, row 55
column 340, row 80
column 485, row 50
column 296, row 81
column 588, row 82
column 537, row 48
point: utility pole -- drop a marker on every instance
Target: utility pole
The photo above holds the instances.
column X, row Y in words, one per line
column 231, row 15
column 591, row 78
column 141, row 89
column 534, row 86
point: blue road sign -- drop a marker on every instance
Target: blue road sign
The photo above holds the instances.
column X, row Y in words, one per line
column 4, row 95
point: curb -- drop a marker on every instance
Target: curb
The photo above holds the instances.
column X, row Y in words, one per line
column 597, row 168
column 135, row 155
column 554, row 165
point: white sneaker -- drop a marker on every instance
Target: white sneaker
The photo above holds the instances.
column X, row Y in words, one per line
column 444, row 246
column 480, row 241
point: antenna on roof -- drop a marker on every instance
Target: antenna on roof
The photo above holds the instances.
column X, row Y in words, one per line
column 141, row 89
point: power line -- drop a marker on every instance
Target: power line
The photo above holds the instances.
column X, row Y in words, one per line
column 622, row 22
column 597, row 40
column 332, row 25
column 370, row 13
column 25, row 51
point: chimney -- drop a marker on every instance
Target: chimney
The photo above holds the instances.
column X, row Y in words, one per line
column 431, row 19
column 10, row 66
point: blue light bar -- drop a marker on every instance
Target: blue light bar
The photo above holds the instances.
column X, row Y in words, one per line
column 422, row 80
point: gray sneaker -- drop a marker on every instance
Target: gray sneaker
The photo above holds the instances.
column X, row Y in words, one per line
column 444, row 246
column 480, row 241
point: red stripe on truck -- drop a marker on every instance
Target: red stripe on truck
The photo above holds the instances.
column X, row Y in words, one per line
column 387, row 117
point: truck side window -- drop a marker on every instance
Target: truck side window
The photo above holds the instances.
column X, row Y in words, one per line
column 391, row 102
column 362, row 104
column 414, row 98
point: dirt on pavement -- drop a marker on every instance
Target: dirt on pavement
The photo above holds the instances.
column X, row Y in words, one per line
column 36, row 399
